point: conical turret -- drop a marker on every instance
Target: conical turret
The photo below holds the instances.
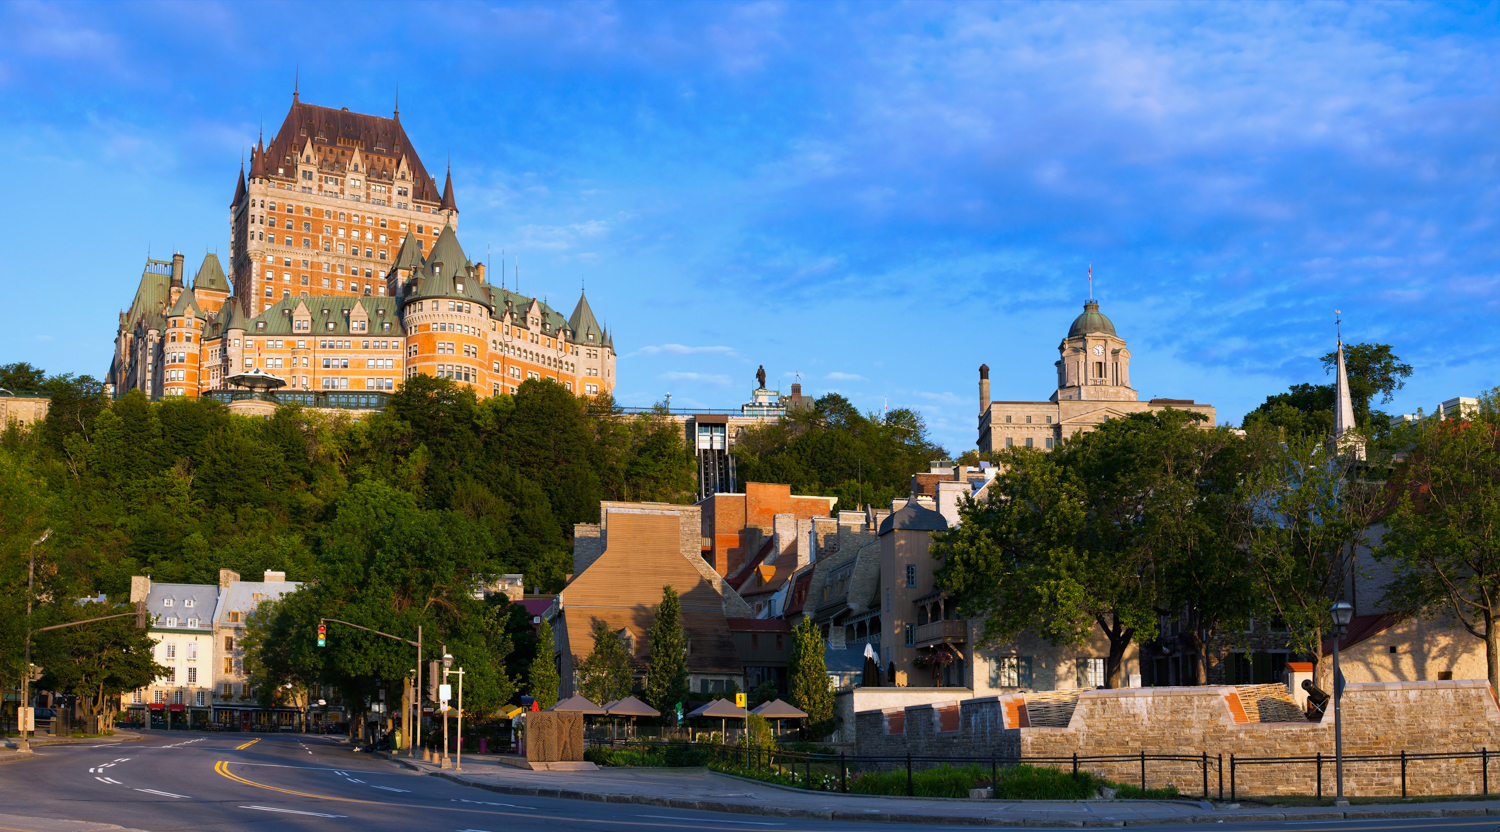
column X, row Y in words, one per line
column 239, row 187
column 447, row 203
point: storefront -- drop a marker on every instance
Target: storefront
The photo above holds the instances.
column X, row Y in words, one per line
column 256, row 719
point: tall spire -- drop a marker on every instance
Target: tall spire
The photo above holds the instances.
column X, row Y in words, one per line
column 448, row 203
column 1345, row 436
column 296, row 82
column 397, row 116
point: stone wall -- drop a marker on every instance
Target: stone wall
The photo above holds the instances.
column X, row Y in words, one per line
column 554, row 736
column 849, row 706
column 1379, row 718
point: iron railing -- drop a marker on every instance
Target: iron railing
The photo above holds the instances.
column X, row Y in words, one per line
column 832, row 772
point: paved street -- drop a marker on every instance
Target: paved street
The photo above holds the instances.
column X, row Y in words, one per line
column 242, row 782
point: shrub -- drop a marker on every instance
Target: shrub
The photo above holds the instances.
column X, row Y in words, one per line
column 1025, row 782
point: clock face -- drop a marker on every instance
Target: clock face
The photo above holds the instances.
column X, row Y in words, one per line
column 1098, row 350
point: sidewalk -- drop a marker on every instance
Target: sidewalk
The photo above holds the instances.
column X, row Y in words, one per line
column 697, row 788
column 9, row 746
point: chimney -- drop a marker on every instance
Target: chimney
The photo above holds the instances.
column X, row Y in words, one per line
column 984, row 388
column 784, row 533
column 275, row 577
column 140, row 587
column 479, row 272
column 177, row 270
column 227, row 577
column 796, row 391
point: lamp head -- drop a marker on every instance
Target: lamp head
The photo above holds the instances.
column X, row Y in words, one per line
column 1342, row 613
column 447, row 660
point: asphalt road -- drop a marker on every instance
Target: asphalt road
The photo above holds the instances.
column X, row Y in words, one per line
column 186, row 781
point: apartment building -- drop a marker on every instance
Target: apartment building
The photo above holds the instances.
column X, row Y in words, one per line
column 235, row 702
column 181, row 618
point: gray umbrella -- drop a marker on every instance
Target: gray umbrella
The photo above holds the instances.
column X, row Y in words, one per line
column 722, row 710
column 578, row 704
column 778, row 710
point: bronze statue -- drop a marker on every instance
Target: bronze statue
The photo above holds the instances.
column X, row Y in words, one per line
column 760, row 376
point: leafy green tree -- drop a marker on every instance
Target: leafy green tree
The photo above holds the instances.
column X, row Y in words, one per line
column 1372, row 369
column 21, row 377
column 1443, row 535
column 74, row 404
column 833, row 450
column 667, row 676
column 96, row 661
column 25, row 506
column 604, row 675
column 808, row 677
column 1307, row 409
column 543, row 675
column 1304, row 512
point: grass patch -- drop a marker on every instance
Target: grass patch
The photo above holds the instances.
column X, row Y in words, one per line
column 1023, row 782
column 674, row 756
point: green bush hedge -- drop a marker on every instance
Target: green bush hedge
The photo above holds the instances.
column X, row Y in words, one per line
column 1023, row 782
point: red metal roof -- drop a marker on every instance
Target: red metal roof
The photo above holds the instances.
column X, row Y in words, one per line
column 1362, row 627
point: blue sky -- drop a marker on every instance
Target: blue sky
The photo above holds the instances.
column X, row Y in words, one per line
column 878, row 196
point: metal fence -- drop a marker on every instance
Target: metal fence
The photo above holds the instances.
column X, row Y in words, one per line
column 1215, row 774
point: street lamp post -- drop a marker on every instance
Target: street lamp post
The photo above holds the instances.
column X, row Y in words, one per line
column 1342, row 613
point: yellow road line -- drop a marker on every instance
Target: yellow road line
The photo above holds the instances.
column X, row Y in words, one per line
column 247, row 745
column 222, row 767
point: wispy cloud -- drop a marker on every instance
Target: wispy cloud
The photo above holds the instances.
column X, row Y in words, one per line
column 837, row 376
column 681, row 349
column 703, row 378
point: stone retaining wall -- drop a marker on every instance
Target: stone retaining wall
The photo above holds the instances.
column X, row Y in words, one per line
column 1379, row 718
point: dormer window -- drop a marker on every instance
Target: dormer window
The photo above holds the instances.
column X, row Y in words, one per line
column 166, row 602
column 187, row 602
column 460, row 286
column 260, row 326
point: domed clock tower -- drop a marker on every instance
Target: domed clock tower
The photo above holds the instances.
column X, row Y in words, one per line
column 1094, row 363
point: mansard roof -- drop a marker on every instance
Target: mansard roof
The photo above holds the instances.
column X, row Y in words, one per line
column 325, row 309
column 210, row 276
column 186, row 305
column 584, row 326
column 152, row 297
column 447, row 273
column 380, row 140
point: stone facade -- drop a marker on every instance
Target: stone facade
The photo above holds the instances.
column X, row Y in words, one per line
column 22, row 408
column 1093, row 384
column 1379, row 718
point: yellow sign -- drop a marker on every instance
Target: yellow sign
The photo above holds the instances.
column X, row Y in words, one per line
column 739, row 700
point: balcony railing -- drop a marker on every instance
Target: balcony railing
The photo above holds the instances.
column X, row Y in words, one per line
column 308, row 398
column 952, row 631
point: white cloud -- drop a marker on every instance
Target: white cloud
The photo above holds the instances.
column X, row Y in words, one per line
column 836, row 376
column 681, row 349
column 703, row 378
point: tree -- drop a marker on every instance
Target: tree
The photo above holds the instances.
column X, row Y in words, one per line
column 667, row 675
column 98, row 660
column 1372, row 369
column 604, row 676
column 1063, row 545
column 1304, row 513
column 808, row 675
column 543, row 675
column 21, row 377
column 1443, row 534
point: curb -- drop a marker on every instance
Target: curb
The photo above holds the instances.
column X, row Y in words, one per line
column 929, row 819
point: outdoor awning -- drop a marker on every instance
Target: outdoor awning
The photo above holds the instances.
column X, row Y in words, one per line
column 156, row 706
column 630, row 706
column 176, row 709
column 777, row 709
column 719, row 709
column 577, row 704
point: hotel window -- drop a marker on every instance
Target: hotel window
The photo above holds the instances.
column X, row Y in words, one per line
column 172, row 675
column 1011, row 672
column 1007, row 420
column 228, row 667
column 1028, row 441
column 198, row 699
column 136, row 697
column 192, row 648
column 1049, row 444
column 1028, row 420
column 158, row 697
column 176, row 697
column 1009, row 442
column 192, row 675
column 228, row 690
column 171, row 650
column 234, row 616
column 171, row 622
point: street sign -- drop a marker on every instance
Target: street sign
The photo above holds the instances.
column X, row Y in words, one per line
column 28, row 719
column 739, row 700
column 445, row 692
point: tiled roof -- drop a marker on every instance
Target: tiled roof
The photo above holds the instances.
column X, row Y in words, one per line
column 195, row 601
column 1362, row 627
column 325, row 309
column 914, row 517
column 240, row 596
column 382, row 142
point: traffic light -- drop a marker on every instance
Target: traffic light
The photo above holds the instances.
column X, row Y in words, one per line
column 432, row 681
column 140, row 615
column 322, row 635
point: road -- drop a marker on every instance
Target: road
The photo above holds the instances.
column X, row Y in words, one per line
column 184, row 781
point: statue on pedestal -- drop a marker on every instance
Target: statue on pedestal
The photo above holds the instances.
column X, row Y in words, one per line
column 760, row 377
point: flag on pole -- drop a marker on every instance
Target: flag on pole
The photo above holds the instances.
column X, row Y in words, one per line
column 1091, row 281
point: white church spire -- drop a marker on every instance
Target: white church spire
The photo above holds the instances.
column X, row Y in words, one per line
column 1345, row 436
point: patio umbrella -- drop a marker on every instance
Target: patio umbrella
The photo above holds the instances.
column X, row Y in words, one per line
column 631, row 707
column 778, row 710
column 578, row 704
column 724, row 710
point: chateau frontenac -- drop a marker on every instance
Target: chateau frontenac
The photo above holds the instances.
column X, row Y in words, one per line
column 346, row 275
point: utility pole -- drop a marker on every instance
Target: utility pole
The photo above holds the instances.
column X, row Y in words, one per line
column 25, row 746
column 443, row 703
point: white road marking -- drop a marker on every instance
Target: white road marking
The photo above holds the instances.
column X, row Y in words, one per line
column 352, row 780
column 714, row 820
column 123, row 760
column 389, row 789
column 484, row 803
column 292, row 812
column 91, row 771
column 164, row 794
column 109, row 780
